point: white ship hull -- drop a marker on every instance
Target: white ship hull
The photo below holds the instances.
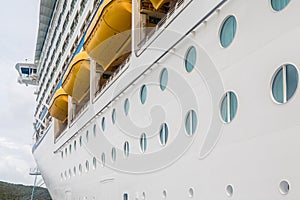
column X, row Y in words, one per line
column 255, row 156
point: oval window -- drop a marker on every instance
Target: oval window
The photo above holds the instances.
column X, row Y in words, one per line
column 285, row 83
column 278, row 5
column 143, row 94
column 228, row 31
column 163, row 79
column 95, row 130
column 163, row 134
column 190, row 59
column 143, row 142
column 126, row 149
column 229, row 107
column 191, row 123
column 113, row 154
column 103, row 124
column 126, row 106
column 114, row 116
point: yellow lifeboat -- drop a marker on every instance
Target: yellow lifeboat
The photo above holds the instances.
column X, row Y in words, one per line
column 109, row 36
column 59, row 105
column 158, row 3
column 76, row 81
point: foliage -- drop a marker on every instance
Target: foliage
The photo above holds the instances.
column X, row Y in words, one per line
column 20, row 192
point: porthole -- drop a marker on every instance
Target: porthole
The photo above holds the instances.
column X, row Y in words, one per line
column 94, row 163
column 191, row 192
column 113, row 116
column 126, row 149
column 87, row 136
column 143, row 94
column 229, row 190
column 80, row 169
column 284, row 187
column 103, row 159
column 113, row 154
column 191, row 123
column 190, row 59
column 74, row 170
column 285, row 83
column 95, row 130
column 143, row 142
column 66, row 152
column 229, row 105
column 66, row 175
column 278, row 5
column 228, row 30
column 164, row 194
column 163, row 134
column 80, row 141
column 70, row 148
column 126, row 106
column 70, row 173
column 87, row 166
column 75, row 145
column 103, row 124
column 163, row 79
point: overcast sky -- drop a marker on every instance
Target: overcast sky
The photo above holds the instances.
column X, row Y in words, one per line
column 18, row 32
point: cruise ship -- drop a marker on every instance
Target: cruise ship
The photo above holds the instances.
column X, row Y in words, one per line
column 167, row 99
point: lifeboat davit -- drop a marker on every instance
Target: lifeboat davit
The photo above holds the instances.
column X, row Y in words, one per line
column 76, row 81
column 109, row 36
column 59, row 105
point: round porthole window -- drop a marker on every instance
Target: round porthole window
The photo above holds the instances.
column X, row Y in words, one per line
column 191, row 123
column 87, row 136
column 114, row 116
column 190, row 59
column 163, row 79
column 143, row 94
column 126, row 149
column 95, row 130
column 126, row 106
column 143, row 142
column 113, row 154
column 229, row 105
column 279, row 5
column 103, row 124
column 285, row 83
column 163, row 134
column 228, row 30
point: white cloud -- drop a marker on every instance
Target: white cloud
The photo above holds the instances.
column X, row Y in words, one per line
column 18, row 34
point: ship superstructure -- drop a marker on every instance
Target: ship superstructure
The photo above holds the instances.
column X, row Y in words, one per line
column 167, row 99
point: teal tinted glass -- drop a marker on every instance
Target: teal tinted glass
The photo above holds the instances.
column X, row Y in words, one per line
column 126, row 149
column 224, row 109
column 114, row 116
column 228, row 31
column 143, row 94
column 229, row 107
column 164, row 134
column 163, row 79
column 292, row 80
column 277, row 87
column 126, row 107
column 190, row 59
column 278, row 5
column 143, row 142
column 191, row 122
column 103, row 123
